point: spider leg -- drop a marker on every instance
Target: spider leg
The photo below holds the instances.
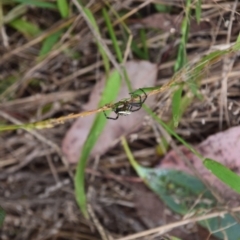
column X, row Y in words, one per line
column 139, row 106
column 111, row 117
column 144, row 94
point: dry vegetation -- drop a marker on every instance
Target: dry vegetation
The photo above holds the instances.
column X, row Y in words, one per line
column 36, row 182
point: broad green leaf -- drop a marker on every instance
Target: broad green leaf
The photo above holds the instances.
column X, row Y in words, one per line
column 26, row 28
column 110, row 93
column 63, row 8
column 179, row 192
column 49, row 42
column 37, row 3
column 223, row 173
column 176, row 105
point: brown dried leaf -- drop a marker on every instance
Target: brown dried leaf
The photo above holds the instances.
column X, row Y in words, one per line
column 222, row 147
column 141, row 74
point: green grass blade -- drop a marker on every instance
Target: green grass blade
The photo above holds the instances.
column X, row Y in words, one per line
column 15, row 12
column 182, row 56
column 49, row 42
column 26, row 28
column 163, row 8
column 2, row 216
column 144, row 43
column 198, row 10
column 180, row 63
column 236, row 46
column 112, row 35
column 176, row 104
column 101, row 50
column 109, row 94
column 171, row 132
column 36, row 3
column 136, row 50
column 223, row 173
column 63, row 8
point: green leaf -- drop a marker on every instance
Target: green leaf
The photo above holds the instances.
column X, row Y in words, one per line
column 176, row 104
column 2, row 216
column 63, row 8
column 223, row 173
column 179, row 192
column 198, row 10
column 177, row 189
column 109, row 94
column 37, row 3
column 49, row 42
column 26, row 28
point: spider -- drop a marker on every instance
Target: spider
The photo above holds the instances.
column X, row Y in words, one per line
column 125, row 108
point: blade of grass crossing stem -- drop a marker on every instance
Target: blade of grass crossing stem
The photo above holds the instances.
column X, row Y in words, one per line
column 63, row 8
column 198, row 10
column 37, row 3
column 112, row 35
column 28, row 29
column 223, row 173
column 49, row 42
column 101, row 50
column 109, row 94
